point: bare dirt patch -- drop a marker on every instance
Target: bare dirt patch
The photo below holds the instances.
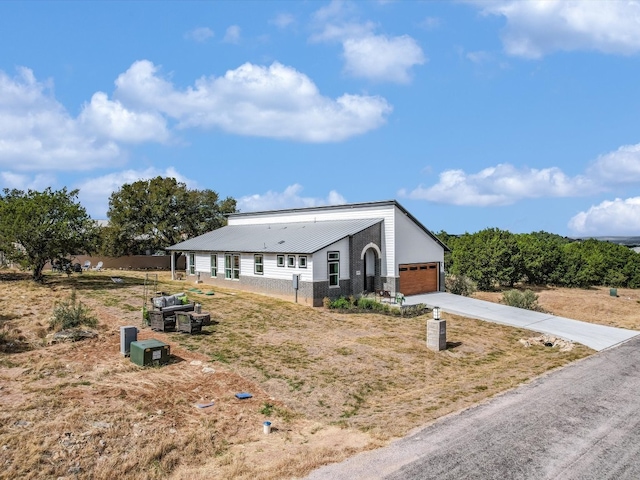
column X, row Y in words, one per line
column 331, row 384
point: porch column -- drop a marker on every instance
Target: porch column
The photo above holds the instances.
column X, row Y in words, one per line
column 173, row 265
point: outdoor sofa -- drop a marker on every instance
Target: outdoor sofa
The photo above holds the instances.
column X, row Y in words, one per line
column 162, row 316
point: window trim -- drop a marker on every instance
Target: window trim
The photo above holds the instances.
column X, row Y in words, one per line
column 214, row 265
column 258, row 267
column 229, row 268
column 192, row 263
column 302, row 261
column 291, row 264
column 279, row 262
column 333, row 258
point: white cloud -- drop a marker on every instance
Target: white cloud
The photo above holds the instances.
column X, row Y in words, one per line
column 39, row 134
column 290, row 198
column 479, row 57
column 232, row 35
column 501, row 185
column 343, row 31
column 505, row 184
column 110, row 119
column 382, row 58
column 538, row 27
column 617, row 217
column 18, row 181
column 619, row 167
column 200, row 34
column 430, row 23
column 95, row 192
column 275, row 101
column 366, row 54
column 283, row 20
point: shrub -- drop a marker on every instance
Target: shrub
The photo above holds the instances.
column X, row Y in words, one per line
column 362, row 304
column 526, row 299
column 368, row 304
column 460, row 285
column 71, row 314
column 326, row 302
column 413, row 310
column 341, row 303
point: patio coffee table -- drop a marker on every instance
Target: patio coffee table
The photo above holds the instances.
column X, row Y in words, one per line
column 204, row 317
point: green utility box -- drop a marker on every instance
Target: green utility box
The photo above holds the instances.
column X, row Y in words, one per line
column 149, row 352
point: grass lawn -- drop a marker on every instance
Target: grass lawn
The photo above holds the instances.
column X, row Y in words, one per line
column 332, row 384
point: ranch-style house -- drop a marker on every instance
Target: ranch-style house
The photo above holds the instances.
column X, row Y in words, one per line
column 325, row 251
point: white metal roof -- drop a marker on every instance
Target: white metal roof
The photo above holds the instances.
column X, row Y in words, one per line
column 299, row 237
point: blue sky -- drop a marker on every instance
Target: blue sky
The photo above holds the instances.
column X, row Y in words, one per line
column 520, row 115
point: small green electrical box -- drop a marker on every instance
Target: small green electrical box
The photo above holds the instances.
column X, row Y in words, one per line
column 149, row 352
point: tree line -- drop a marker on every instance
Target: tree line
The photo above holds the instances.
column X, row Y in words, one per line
column 37, row 227
column 497, row 258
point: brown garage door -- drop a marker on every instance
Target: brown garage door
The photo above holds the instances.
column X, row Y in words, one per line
column 418, row 278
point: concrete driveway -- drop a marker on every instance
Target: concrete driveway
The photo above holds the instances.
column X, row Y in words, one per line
column 581, row 422
column 592, row 335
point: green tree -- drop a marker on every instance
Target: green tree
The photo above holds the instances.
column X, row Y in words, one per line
column 490, row 257
column 154, row 214
column 450, row 241
column 40, row 227
column 542, row 257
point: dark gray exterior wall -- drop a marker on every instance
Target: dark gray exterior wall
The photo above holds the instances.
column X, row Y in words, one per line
column 357, row 243
column 322, row 290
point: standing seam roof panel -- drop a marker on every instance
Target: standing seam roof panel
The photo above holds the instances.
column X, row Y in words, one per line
column 299, row 237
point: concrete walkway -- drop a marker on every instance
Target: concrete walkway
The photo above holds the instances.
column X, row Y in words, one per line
column 592, row 335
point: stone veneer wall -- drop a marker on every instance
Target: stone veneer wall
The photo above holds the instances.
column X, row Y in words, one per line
column 264, row 285
column 322, row 290
column 357, row 242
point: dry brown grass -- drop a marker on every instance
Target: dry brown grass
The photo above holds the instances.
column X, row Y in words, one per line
column 332, row 384
column 594, row 304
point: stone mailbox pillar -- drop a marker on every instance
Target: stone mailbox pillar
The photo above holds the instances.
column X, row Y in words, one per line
column 436, row 332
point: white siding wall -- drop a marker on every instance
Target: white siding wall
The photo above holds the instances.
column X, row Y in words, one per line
column 246, row 264
column 413, row 245
column 385, row 212
column 320, row 260
column 203, row 263
column 271, row 269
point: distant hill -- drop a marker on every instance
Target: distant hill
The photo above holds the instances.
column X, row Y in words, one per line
column 626, row 241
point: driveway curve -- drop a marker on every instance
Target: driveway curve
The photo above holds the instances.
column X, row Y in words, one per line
column 579, row 422
column 592, row 335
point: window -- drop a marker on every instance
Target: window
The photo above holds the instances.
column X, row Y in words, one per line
column 258, row 265
column 302, row 261
column 291, row 261
column 232, row 266
column 281, row 260
column 214, row 265
column 192, row 264
column 333, row 268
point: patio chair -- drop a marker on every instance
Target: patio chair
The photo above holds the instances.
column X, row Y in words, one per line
column 98, row 267
column 87, row 265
